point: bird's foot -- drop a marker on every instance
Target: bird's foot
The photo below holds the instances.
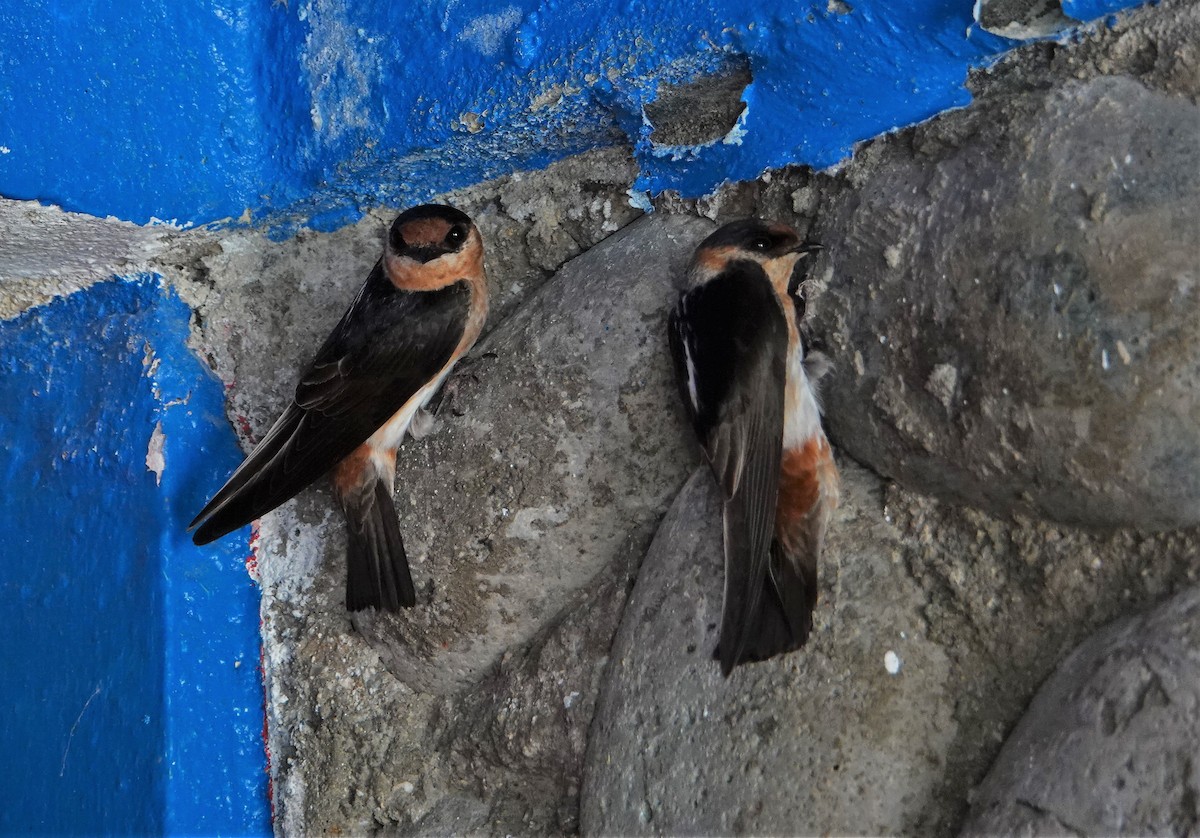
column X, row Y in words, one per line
column 423, row 424
column 444, row 398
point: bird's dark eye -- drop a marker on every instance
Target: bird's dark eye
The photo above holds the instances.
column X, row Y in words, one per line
column 761, row 243
column 456, row 235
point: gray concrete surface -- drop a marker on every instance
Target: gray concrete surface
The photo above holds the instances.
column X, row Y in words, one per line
column 701, row 111
column 825, row 740
column 46, row 253
column 1109, row 744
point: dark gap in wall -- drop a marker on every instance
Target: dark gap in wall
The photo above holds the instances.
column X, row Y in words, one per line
column 1022, row 18
column 702, row 110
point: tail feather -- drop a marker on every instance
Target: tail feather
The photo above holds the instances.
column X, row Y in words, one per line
column 808, row 495
column 748, row 513
column 377, row 573
column 784, row 619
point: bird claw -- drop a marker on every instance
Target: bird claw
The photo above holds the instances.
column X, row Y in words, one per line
column 816, row 365
column 423, row 424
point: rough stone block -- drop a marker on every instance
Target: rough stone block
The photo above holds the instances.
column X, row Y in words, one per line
column 1012, row 302
column 847, row 735
column 1109, row 744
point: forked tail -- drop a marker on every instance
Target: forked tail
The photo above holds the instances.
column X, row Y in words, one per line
column 785, row 609
column 377, row 572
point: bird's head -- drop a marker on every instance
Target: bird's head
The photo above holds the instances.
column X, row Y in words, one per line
column 432, row 246
column 775, row 247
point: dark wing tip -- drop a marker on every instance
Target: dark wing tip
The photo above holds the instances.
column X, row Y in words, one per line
column 783, row 621
column 206, row 534
column 221, row 523
column 203, row 514
column 728, row 659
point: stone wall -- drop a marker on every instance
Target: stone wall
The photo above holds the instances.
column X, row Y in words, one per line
column 1008, row 294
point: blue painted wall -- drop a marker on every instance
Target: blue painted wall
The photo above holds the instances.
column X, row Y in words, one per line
column 138, row 110
column 306, row 112
column 1091, row 9
column 129, row 657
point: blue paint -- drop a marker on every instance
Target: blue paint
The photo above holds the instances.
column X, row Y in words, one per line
column 129, row 657
column 308, row 112
column 825, row 80
column 1092, row 9
column 138, row 110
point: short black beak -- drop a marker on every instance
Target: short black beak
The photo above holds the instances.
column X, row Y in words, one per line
column 423, row 254
column 805, row 248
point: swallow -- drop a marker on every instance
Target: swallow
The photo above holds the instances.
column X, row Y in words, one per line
column 420, row 310
column 750, row 394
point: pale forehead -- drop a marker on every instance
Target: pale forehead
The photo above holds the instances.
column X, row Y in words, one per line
column 425, row 231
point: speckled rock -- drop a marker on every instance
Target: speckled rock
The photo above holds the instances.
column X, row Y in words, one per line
column 516, row 740
column 1109, row 744
column 1014, row 305
column 824, row 740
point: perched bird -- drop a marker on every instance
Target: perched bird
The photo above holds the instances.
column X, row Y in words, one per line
column 749, row 392
column 420, row 310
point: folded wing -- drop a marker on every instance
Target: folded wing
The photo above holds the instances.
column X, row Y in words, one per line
column 387, row 346
column 729, row 342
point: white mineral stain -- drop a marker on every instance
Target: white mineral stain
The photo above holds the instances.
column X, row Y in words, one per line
column 487, row 33
column 522, row 525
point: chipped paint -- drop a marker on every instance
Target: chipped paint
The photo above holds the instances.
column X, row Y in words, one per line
column 307, row 112
column 155, row 461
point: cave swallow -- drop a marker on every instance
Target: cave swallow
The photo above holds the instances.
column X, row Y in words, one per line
column 750, row 393
column 420, row 310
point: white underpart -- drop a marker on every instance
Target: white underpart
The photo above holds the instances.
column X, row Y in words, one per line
column 802, row 417
column 391, row 435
